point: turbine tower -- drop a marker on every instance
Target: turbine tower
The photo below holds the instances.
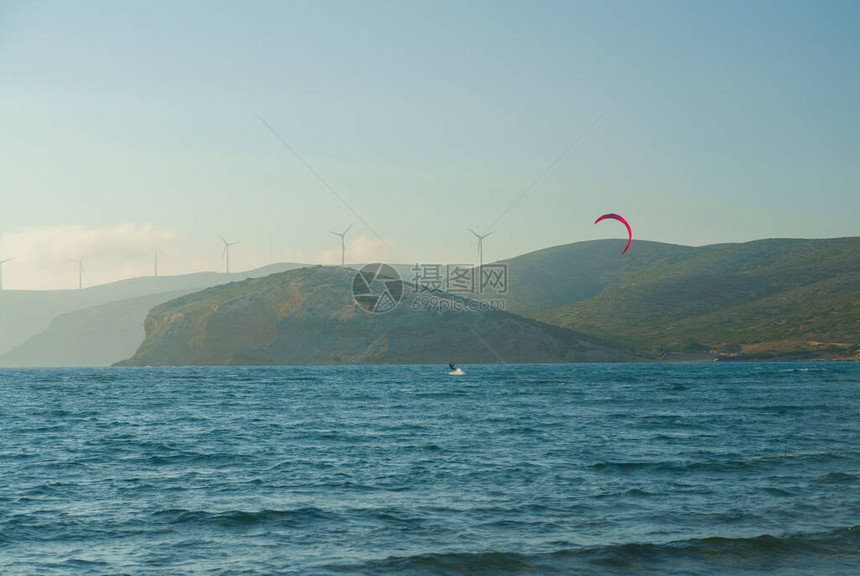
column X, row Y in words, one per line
column 480, row 246
column 342, row 244
column 1, row 270
column 80, row 262
column 226, row 252
column 157, row 252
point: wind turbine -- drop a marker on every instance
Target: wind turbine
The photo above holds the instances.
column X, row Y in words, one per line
column 342, row 244
column 1, row 270
column 80, row 262
column 480, row 246
column 157, row 252
column 226, row 252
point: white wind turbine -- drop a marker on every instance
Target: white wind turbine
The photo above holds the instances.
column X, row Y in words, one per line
column 157, row 252
column 342, row 244
column 80, row 262
column 480, row 246
column 1, row 270
column 226, row 252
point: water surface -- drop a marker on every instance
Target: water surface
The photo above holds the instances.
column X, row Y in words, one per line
column 544, row 469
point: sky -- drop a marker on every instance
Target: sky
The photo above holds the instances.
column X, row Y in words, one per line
column 127, row 127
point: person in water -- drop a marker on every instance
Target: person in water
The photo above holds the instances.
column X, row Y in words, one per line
column 451, row 365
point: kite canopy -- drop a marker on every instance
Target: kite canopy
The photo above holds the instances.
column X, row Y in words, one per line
column 623, row 221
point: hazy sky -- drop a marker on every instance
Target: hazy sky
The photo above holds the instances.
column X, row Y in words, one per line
column 128, row 126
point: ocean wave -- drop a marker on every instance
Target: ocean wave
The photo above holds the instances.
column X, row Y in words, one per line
column 771, row 457
column 831, row 552
column 244, row 518
column 723, row 465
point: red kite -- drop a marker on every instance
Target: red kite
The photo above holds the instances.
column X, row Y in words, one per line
column 623, row 221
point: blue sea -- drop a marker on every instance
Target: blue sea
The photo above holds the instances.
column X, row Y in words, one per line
column 719, row 468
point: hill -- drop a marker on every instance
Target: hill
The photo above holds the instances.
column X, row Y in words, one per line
column 96, row 336
column 309, row 316
column 768, row 298
column 25, row 314
column 778, row 298
column 560, row 275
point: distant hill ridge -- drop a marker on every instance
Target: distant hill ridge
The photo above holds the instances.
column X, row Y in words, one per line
column 26, row 313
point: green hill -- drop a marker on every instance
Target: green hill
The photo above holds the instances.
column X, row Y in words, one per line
column 557, row 276
column 770, row 297
column 309, row 316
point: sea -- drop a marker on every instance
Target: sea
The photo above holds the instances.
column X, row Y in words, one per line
column 714, row 468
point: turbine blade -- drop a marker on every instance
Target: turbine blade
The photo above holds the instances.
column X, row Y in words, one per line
column 222, row 239
column 475, row 233
column 347, row 229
